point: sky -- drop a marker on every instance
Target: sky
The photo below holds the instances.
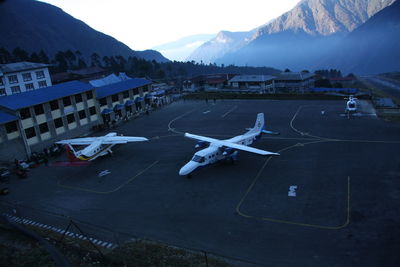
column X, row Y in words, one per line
column 144, row 24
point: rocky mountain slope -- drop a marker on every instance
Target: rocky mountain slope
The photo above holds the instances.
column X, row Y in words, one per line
column 299, row 38
column 33, row 25
column 371, row 48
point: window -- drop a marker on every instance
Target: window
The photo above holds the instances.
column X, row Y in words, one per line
column 58, row 123
column 42, row 84
column 82, row 114
column 12, row 79
column 67, row 101
column 40, row 74
column 135, row 91
column 126, row 94
column 70, row 118
column 198, row 159
column 1, row 81
column 2, row 92
column 25, row 113
column 92, row 111
column 78, row 98
column 15, row 89
column 29, row 86
column 89, row 95
column 114, row 98
column 27, row 76
column 38, row 109
column 103, row 101
column 11, row 127
column 43, row 128
column 30, row 132
column 54, row 105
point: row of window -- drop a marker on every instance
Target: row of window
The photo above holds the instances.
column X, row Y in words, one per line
column 28, row 87
column 25, row 112
column 115, row 97
column 44, row 128
column 26, row 76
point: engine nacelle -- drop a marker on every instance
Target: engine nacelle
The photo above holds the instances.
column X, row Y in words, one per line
column 201, row 144
column 228, row 151
column 111, row 134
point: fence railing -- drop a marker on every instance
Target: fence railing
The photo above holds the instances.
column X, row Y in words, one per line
column 94, row 237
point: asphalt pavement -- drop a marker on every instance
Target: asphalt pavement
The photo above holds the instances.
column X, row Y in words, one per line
column 330, row 199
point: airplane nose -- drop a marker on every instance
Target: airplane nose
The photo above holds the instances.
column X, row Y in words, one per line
column 183, row 171
column 188, row 168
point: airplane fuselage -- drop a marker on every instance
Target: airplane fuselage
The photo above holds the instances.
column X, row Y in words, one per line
column 351, row 106
column 94, row 151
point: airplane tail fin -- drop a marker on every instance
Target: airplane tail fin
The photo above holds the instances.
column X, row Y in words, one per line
column 71, row 153
column 259, row 125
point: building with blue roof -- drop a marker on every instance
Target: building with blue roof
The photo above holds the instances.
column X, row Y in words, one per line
column 124, row 98
column 32, row 120
column 47, row 94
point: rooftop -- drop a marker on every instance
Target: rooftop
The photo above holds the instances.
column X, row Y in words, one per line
column 110, row 79
column 251, row 78
column 21, row 66
column 294, row 76
column 6, row 117
column 115, row 88
column 43, row 95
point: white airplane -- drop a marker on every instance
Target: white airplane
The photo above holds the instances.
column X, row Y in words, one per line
column 96, row 146
column 225, row 149
column 351, row 106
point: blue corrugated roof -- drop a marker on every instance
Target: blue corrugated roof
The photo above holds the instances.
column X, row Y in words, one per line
column 6, row 117
column 42, row 95
column 115, row 88
column 339, row 90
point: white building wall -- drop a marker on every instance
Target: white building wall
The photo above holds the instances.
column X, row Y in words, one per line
column 35, row 80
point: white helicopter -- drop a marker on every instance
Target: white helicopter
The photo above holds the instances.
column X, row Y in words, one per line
column 351, row 106
column 96, row 146
column 225, row 149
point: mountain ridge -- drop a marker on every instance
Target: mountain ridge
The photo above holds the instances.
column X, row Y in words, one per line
column 299, row 38
column 34, row 26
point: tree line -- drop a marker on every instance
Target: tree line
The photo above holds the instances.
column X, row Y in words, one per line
column 66, row 60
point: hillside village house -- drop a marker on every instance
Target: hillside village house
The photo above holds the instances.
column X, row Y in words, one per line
column 207, row 82
column 254, row 83
column 21, row 77
column 285, row 82
column 293, row 82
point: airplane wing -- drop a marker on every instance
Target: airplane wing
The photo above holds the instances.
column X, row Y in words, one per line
column 121, row 139
column 78, row 141
column 106, row 140
column 230, row 144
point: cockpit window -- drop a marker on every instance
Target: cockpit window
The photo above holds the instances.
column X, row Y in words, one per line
column 197, row 158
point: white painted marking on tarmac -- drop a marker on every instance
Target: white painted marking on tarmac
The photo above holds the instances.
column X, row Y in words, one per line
column 229, row 111
column 205, row 112
column 292, row 191
column 104, row 173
